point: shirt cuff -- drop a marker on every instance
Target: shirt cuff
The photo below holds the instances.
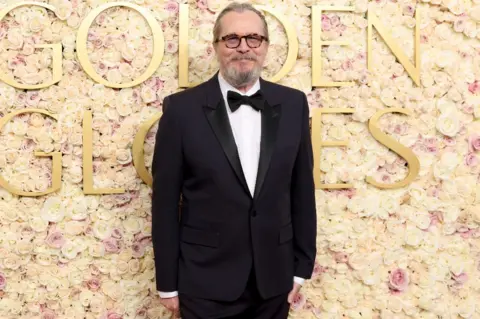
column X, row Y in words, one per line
column 170, row 294
column 299, row 280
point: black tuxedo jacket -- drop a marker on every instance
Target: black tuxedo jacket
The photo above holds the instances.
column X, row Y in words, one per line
column 206, row 246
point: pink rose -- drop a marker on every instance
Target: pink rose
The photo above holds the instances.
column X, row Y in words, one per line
column 398, row 280
column 117, row 233
column 474, row 143
column 435, row 219
column 408, row 10
column 341, row 258
column 449, row 141
column 55, row 240
column 318, row 269
column 171, row 47
column 471, row 160
column 171, row 6
column 94, row 284
column 111, row 245
column 335, row 21
column 3, row 281
column 48, row 314
column 202, row 4
column 110, row 314
column 326, row 23
column 459, row 25
column 138, row 250
column 460, row 279
column 114, row 315
column 467, row 234
column 474, row 87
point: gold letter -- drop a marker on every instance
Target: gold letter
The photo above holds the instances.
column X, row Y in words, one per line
column 292, row 40
column 395, row 146
column 317, row 44
column 158, row 45
column 56, row 160
column 88, row 162
column 412, row 70
column 318, row 143
column 56, row 55
column 137, row 149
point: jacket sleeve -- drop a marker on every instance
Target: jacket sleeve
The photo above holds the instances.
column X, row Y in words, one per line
column 304, row 218
column 167, row 173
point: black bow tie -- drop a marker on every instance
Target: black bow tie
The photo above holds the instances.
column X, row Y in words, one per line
column 235, row 100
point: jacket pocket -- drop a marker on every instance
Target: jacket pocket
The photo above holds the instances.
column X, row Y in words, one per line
column 199, row 237
column 286, row 233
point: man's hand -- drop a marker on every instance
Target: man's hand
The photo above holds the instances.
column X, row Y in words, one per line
column 172, row 304
column 292, row 294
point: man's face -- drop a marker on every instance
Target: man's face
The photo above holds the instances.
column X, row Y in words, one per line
column 241, row 64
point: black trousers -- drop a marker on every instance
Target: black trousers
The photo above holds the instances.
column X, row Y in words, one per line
column 249, row 305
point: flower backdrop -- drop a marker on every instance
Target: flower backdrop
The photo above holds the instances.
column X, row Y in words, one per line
column 412, row 252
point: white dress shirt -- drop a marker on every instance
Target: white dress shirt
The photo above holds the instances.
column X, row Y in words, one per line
column 246, row 123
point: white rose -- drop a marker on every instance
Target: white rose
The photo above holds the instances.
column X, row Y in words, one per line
column 413, row 236
column 456, row 265
column 357, row 261
column 43, row 259
column 128, row 52
column 131, row 287
column 37, row 23
column 395, row 304
column 78, row 209
column 450, row 213
column 126, row 70
column 420, row 219
column 102, row 229
column 53, row 210
column 448, row 124
column 133, row 225
column 11, row 261
column 148, row 94
column 63, row 10
column 370, row 276
column 69, row 250
column 114, row 76
column 466, row 307
column 38, row 224
column 445, row 58
column 74, row 228
column 96, row 249
column 15, row 39
column 123, row 156
column 124, row 109
column 86, row 297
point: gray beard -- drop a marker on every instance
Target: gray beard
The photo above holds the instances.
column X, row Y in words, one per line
column 241, row 79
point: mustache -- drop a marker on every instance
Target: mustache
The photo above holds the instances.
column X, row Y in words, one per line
column 244, row 57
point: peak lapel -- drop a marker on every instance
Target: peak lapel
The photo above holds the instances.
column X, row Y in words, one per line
column 270, row 120
column 216, row 113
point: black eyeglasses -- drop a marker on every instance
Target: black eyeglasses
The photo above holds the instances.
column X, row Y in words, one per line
column 232, row 41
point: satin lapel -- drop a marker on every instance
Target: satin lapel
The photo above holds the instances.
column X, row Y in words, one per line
column 218, row 118
column 270, row 120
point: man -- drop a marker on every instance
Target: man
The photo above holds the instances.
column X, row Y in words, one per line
column 237, row 149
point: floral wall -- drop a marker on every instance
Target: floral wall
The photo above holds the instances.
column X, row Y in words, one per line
column 412, row 252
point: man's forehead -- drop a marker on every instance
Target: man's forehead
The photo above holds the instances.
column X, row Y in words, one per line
column 242, row 23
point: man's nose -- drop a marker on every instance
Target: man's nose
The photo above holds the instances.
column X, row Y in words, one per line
column 243, row 47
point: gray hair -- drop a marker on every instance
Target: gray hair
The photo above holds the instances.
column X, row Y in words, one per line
column 237, row 7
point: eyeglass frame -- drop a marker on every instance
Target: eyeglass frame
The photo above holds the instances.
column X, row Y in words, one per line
column 224, row 39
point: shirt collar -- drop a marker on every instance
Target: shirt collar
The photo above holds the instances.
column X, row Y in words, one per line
column 225, row 87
